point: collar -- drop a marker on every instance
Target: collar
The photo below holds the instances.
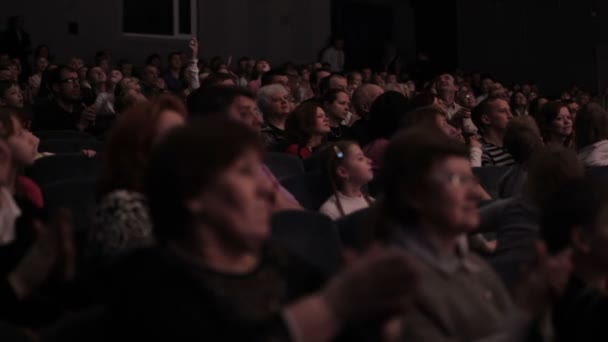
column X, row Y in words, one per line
column 414, row 241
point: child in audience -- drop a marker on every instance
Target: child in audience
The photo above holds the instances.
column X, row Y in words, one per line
column 306, row 129
column 24, row 149
column 348, row 171
column 11, row 95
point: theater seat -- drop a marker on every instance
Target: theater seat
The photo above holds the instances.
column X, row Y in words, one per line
column 53, row 135
column 309, row 189
column 78, row 195
column 63, row 166
column 489, row 176
column 309, row 235
column 284, row 165
column 69, row 145
column 355, row 229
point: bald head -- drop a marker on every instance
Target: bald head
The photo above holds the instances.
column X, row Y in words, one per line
column 364, row 97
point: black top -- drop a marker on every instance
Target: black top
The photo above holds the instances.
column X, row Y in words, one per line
column 50, row 117
column 157, row 294
column 274, row 137
column 581, row 314
column 360, row 132
column 340, row 133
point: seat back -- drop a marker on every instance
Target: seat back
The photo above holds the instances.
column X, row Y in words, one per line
column 78, row 195
column 63, row 166
column 354, row 229
column 284, row 165
column 54, row 135
column 69, row 145
column 309, row 189
column 489, row 177
column 310, row 236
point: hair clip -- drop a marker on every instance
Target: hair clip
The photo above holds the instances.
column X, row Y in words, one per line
column 339, row 153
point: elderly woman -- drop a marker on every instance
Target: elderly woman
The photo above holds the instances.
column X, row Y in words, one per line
column 274, row 103
column 214, row 275
column 430, row 204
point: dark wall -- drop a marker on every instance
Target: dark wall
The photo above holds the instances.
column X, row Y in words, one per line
column 552, row 42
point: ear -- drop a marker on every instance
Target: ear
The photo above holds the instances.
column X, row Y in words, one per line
column 341, row 172
column 581, row 240
column 485, row 119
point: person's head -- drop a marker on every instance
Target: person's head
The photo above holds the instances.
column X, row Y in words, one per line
column 96, row 76
column 41, row 64
column 445, row 84
column 519, row 100
column 275, row 76
column 555, row 123
column 42, row 51
column 522, row 138
column 431, row 116
column 583, row 98
column 131, row 139
column 21, row 142
column 549, row 168
column 338, row 43
column 573, row 108
column 591, row 125
column 65, row 84
column 126, row 67
column 244, row 65
column 115, row 76
column 364, row 97
column 11, row 95
column 536, row 105
column 526, row 88
column 497, row 90
column 336, row 104
column 386, row 115
column 367, row 74
column 467, row 98
column 576, row 217
column 233, row 102
column 315, row 79
column 155, row 60
column 261, row 66
column 273, row 101
column 345, row 163
column 355, row 80
column 486, row 85
column 428, row 181
column 221, row 199
column 102, row 60
column 128, row 93
column 307, row 121
column 492, row 115
column 175, row 61
column 150, row 74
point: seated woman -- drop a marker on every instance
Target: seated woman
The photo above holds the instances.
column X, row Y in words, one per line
column 122, row 220
column 348, row 171
column 574, row 220
column 555, row 124
column 306, row 129
column 214, row 275
column 592, row 135
column 336, row 104
column 274, row 103
column 429, row 205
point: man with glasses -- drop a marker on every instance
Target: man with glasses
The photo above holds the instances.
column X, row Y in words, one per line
column 65, row 111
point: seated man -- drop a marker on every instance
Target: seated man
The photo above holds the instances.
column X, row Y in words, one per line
column 491, row 117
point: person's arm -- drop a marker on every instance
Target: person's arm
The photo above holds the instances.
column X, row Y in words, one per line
column 192, row 70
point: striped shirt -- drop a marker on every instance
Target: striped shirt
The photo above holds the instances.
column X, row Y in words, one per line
column 495, row 155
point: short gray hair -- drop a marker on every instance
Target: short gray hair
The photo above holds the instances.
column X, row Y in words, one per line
column 265, row 94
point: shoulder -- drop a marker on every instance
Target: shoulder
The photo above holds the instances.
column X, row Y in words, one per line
column 329, row 208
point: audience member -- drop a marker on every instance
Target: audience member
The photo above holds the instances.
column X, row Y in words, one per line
column 555, row 124
column 334, row 55
column 347, row 171
column 336, row 104
column 362, row 102
column 491, row 116
column 519, row 104
column 273, row 102
column 306, row 129
column 446, row 91
column 592, row 135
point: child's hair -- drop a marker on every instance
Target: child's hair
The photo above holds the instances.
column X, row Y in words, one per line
column 6, row 85
column 332, row 156
column 7, row 125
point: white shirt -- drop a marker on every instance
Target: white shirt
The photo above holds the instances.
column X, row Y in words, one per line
column 9, row 212
column 349, row 205
column 468, row 125
column 335, row 58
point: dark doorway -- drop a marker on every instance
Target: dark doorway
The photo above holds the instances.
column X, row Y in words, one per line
column 366, row 29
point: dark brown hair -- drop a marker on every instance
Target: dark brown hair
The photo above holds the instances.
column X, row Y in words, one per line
column 300, row 124
column 424, row 116
column 547, row 114
column 130, row 142
column 591, row 125
column 186, row 161
column 522, row 138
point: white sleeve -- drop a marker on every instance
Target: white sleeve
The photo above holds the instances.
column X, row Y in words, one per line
column 192, row 75
column 475, row 155
column 329, row 209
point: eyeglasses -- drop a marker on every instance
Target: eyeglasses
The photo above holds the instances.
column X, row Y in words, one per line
column 72, row 80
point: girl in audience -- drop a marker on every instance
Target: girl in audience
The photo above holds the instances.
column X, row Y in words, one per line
column 519, row 104
column 592, row 135
column 555, row 124
column 214, row 274
column 306, row 129
column 24, row 150
column 348, row 171
column 336, row 104
column 122, row 220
